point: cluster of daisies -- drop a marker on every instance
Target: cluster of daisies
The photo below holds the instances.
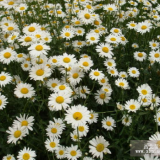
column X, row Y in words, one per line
column 72, row 54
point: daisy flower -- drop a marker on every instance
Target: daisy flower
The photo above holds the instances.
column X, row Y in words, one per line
column 52, row 144
column 60, row 152
column 98, row 147
column 24, row 90
column 73, row 153
column 8, row 157
column 82, row 130
column 26, row 66
column 92, row 38
column 122, row 83
column 110, row 63
column 103, row 81
column 21, row 8
column 26, row 154
column 93, row 117
column 155, row 55
column 77, row 115
column 120, row 106
column 132, row 105
column 154, row 45
column 108, row 123
column 32, row 28
column 75, row 75
column 8, row 55
column 38, row 49
column 96, row 74
column 102, row 97
column 74, row 136
column 135, row 45
column 5, row 78
column 144, row 101
column 60, row 122
column 123, row 74
column 155, row 100
column 3, row 102
column 131, row 25
column 53, row 60
column 110, row 8
column 144, row 90
column 63, row 88
column 133, row 72
column 59, row 100
column 104, row 50
column 116, row 31
column 140, row 56
column 86, row 16
column 54, row 130
column 24, row 121
column 113, row 39
column 83, row 91
column 39, row 72
column 15, row 134
column 67, row 60
column 27, row 40
column 143, row 27
column 52, row 83
column 126, row 120
column 113, row 71
column 67, row 33
column 20, row 57
column 79, row 31
column 13, row 37
column 85, row 63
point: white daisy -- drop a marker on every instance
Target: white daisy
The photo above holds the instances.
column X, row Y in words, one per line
column 85, row 63
column 5, row 78
column 39, row 72
column 72, row 153
column 77, row 115
column 59, row 100
column 26, row 154
column 132, row 105
column 93, row 117
column 8, row 157
column 98, row 147
column 3, row 101
column 96, row 74
column 67, row 33
column 140, row 56
column 144, row 90
column 122, row 83
column 24, row 90
column 108, row 123
column 126, row 120
column 52, row 144
column 60, row 152
column 133, row 72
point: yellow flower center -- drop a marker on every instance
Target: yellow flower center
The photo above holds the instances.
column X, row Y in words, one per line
column 121, row 84
column 92, row 39
column 154, row 44
column 116, row 30
column 79, row 43
column 77, row 22
column 132, row 107
column 20, row 55
column 31, row 29
column 109, row 63
column 52, row 144
column 113, row 39
column 140, row 54
column 39, row 47
column 100, row 147
column 132, row 24
column 75, row 75
column 81, row 128
column 62, row 87
column 24, row 90
column 75, row 137
column 66, row 60
column 10, row 28
column 96, row 30
column 144, row 92
column 26, row 156
column 13, row 37
column 123, row 38
column 54, row 60
column 28, row 39
column 133, row 71
column 110, row 9
column 39, row 72
column 85, row 64
column 87, row 16
column 91, row 116
column 96, row 73
column 153, row 100
column 156, row 55
column 112, row 71
column 144, row 100
column 2, row 78
column 89, row 6
column 77, row 116
column 0, row 102
column 25, row 65
column 9, row 158
column 54, row 85
column 105, row 49
column 10, row 3
column 103, row 80
column 108, row 123
column 54, row 130
column 38, row 36
column 96, row 22
column 73, row 153
column 22, row 8
column 83, row 91
column 67, row 34
column 102, row 96
column 61, row 152
column 59, row 99
column 17, row 133
column 24, row 123
column 40, row 61
column 143, row 27
column 59, row 12
column 7, row 55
